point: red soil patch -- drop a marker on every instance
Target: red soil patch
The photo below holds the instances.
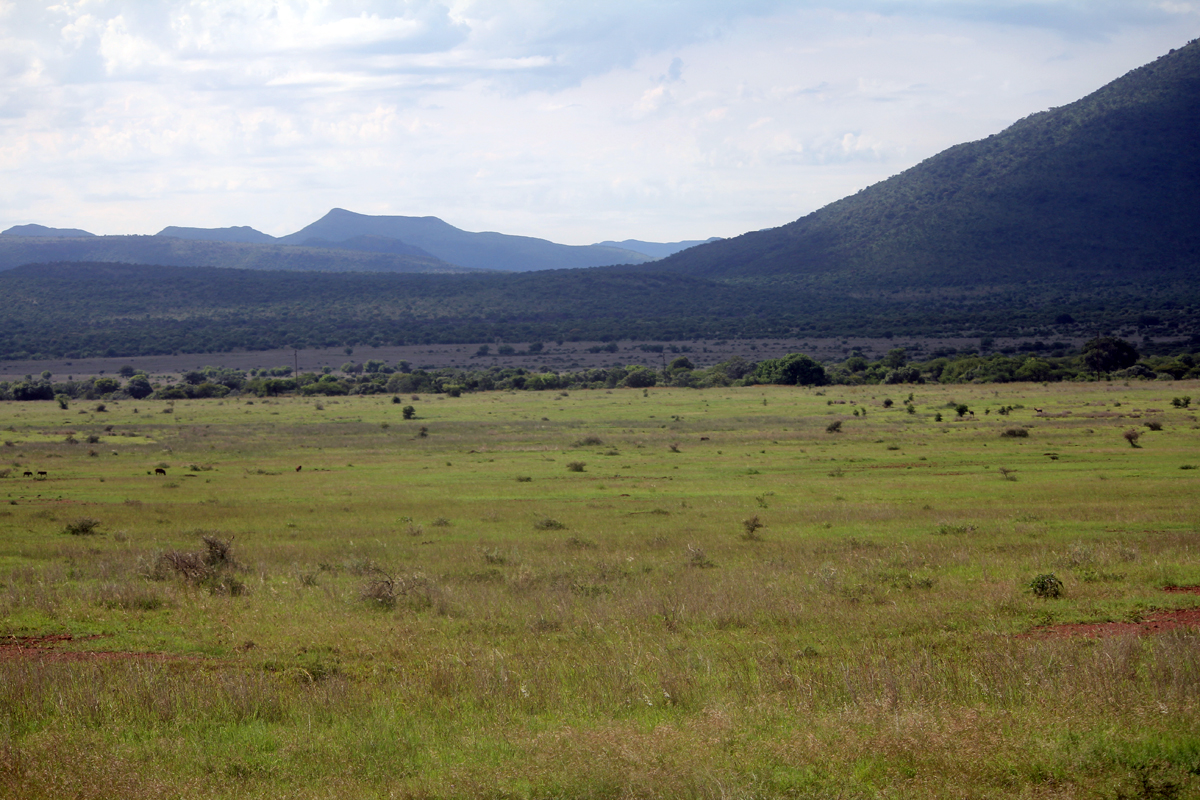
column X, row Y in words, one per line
column 1156, row 623
column 44, row 648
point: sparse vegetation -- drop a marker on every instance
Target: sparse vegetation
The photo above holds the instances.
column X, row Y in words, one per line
column 302, row 629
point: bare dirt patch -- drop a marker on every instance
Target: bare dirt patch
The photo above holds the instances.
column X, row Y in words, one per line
column 46, row 648
column 1158, row 622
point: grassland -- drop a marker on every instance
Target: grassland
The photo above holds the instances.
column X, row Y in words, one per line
column 663, row 593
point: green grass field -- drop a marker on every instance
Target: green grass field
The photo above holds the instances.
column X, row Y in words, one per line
column 669, row 593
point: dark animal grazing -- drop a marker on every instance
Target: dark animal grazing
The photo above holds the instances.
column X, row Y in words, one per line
column 298, row 468
column 28, row 474
column 704, row 438
column 41, row 473
column 1038, row 410
column 159, row 471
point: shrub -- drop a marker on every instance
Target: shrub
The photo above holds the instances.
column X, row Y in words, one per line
column 834, row 427
column 1046, row 586
column 576, row 466
column 698, row 558
column 589, row 441
column 212, row 568
column 946, row 529
column 549, row 524
column 1132, row 437
column 751, row 526
column 409, row 412
column 1153, row 424
column 84, row 526
column 380, row 592
column 1016, row 433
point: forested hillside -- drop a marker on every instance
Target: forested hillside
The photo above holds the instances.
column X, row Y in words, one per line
column 1106, row 188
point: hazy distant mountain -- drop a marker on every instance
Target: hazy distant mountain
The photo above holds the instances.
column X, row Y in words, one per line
column 241, row 233
column 497, row 251
column 43, row 231
column 657, row 249
column 170, row 251
column 1106, row 188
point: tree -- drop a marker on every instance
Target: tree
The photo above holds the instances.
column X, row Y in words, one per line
column 139, row 387
column 640, row 377
column 127, row 372
column 794, row 369
column 896, row 357
column 1108, row 354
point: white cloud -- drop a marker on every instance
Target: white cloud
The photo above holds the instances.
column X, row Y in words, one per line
column 574, row 121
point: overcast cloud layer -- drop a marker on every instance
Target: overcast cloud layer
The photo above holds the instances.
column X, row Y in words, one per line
column 572, row 121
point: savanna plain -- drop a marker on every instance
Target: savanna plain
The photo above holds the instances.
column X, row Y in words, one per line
column 721, row 593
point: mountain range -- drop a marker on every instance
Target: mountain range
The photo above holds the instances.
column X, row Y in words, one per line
column 334, row 243
column 1079, row 220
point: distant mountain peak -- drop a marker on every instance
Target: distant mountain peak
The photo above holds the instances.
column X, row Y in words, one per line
column 487, row 250
column 49, row 233
column 237, row 233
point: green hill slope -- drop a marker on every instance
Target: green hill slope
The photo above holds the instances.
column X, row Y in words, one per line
column 1107, row 187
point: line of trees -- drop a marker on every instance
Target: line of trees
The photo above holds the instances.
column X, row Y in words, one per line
column 1101, row 358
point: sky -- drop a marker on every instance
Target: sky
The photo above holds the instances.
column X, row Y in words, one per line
column 574, row 121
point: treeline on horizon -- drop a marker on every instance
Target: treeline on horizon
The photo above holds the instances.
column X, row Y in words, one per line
column 1103, row 358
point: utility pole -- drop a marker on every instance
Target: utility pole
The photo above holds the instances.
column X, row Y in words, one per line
column 296, row 355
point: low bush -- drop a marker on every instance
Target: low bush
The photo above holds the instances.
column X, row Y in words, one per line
column 84, row 526
column 751, row 526
column 1046, row 586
